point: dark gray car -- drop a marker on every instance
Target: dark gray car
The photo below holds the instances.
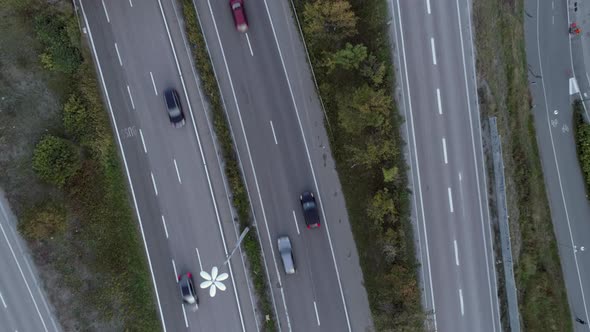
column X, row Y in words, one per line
column 286, row 252
column 173, row 108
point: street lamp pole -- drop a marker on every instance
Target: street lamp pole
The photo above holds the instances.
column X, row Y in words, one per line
column 240, row 239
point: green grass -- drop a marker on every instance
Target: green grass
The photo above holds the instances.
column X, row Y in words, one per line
column 93, row 266
column 501, row 66
column 232, row 170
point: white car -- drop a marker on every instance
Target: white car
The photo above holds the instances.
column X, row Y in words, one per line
column 286, row 252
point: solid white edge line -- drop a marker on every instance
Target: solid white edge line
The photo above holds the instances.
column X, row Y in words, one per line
column 175, row 272
column 413, row 139
column 493, row 299
column 20, row 269
column 177, row 172
column 296, row 224
column 211, row 193
column 249, row 45
column 438, row 101
column 217, row 155
column 317, row 316
column 154, row 83
column 461, row 302
column 165, row 228
column 142, row 141
column 130, row 97
column 456, row 252
column 104, row 88
column 105, row 11
column 450, row 199
column 118, row 55
column 567, row 217
column 274, row 135
column 184, row 314
column 427, row 6
column 444, row 144
column 3, row 302
column 311, row 167
column 433, row 50
column 154, row 183
column 199, row 259
column 278, row 276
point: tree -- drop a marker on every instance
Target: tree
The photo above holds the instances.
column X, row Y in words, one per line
column 374, row 70
column 366, row 108
column 326, row 23
column 381, row 209
column 350, row 57
column 59, row 38
column 373, row 151
column 55, row 160
column 77, row 119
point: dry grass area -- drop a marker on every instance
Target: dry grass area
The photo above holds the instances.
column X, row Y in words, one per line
column 503, row 91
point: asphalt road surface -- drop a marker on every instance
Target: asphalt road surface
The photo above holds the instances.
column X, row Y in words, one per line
column 277, row 122
column 23, row 305
column 550, row 63
column 436, row 75
column 174, row 173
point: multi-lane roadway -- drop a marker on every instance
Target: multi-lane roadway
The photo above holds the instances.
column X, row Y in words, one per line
column 435, row 62
column 173, row 173
column 277, row 122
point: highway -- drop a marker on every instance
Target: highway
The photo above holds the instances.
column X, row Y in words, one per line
column 551, row 70
column 174, row 175
column 436, row 75
column 23, row 304
column 277, row 122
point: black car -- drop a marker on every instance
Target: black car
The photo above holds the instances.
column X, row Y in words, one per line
column 310, row 210
column 173, row 107
column 187, row 290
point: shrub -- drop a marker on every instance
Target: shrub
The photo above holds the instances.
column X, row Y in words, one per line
column 43, row 221
column 55, row 160
column 328, row 22
column 76, row 119
column 582, row 132
column 56, row 34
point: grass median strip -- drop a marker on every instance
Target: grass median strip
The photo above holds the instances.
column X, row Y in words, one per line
column 240, row 199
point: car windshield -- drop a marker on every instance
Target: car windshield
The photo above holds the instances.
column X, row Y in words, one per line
column 185, row 289
column 236, row 5
column 309, row 205
column 174, row 112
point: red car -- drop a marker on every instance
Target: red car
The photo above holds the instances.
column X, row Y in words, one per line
column 237, row 8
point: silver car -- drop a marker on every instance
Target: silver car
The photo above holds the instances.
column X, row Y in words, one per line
column 286, row 252
column 187, row 290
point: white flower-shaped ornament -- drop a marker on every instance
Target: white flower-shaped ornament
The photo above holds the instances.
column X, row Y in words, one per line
column 213, row 281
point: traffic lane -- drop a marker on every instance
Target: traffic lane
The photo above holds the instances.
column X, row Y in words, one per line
column 279, row 206
column 262, row 68
column 443, row 63
column 18, row 302
column 192, row 224
column 147, row 203
column 571, row 225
